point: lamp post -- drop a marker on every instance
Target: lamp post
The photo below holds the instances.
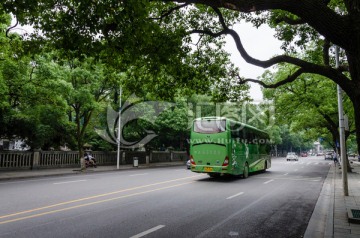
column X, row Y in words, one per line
column 119, row 134
column 342, row 131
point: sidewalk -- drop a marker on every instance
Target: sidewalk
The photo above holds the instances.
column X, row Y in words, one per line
column 36, row 173
column 334, row 213
column 345, row 206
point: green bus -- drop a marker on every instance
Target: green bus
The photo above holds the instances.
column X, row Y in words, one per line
column 221, row 146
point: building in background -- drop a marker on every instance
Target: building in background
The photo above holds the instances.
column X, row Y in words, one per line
column 13, row 144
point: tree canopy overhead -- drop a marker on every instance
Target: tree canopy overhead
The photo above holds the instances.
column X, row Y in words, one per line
column 297, row 23
column 158, row 32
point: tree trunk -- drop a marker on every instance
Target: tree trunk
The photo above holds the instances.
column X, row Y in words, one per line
column 349, row 169
column 356, row 103
column 81, row 154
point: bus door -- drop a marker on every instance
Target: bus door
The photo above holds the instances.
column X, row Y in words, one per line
column 236, row 150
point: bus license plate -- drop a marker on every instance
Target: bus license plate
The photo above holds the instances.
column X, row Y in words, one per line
column 208, row 169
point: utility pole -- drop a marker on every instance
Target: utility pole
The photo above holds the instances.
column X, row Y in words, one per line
column 342, row 131
column 119, row 134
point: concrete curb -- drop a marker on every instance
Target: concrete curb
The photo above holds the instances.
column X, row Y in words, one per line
column 321, row 221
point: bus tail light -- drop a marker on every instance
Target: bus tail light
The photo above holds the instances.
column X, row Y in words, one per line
column 192, row 160
column 226, row 161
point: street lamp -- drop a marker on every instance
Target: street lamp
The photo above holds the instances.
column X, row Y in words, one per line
column 342, row 130
column 119, row 134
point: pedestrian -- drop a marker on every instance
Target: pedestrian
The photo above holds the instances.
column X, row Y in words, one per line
column 335, row 158
column 90, row 159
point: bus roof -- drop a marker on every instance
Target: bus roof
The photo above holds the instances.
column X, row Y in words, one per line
column 230, row 120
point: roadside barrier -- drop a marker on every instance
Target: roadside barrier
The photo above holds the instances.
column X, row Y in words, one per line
column 55, row 159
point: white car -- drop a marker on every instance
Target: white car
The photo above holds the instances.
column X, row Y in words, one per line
column 291, row 156
column 329, row 155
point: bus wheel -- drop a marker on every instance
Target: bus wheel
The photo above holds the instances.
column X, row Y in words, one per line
column 265, row 166
column 246, row 171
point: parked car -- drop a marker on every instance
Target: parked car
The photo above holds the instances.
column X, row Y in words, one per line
column 304, row 154
column 329, row 155
column 291, row 156
column 188, row 164
column 320, row 154
column 352, row 155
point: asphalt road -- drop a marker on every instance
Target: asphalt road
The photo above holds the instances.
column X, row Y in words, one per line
column 165, row 202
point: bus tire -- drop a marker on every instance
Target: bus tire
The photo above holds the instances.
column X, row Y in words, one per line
column 265, row 166
column 246, row 171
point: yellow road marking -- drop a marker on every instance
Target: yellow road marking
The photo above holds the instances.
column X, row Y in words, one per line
column 92, row 197
column 88, row 204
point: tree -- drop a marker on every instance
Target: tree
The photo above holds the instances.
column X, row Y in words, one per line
column 130, row 33
column 173, row 125
column 32, row 110
column 324, row 22
column 297, row 22
column 84, row 85
column 308, row 104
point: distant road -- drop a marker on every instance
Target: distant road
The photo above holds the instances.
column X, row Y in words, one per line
column 165, row 202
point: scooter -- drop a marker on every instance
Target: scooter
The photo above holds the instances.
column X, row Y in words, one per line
column 90, row 164
column 90, row 161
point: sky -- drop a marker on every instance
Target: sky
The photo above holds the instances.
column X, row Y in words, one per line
column 260, row 44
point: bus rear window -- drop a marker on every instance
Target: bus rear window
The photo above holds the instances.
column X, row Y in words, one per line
column 209, row 126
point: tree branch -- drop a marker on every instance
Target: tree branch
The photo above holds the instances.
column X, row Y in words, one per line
column 313, row 11
column 170, row 11
column 290, row 21
column 326, row 49
column 10, row 28
column 289, row 79
column 305, row 67
column 332, row 126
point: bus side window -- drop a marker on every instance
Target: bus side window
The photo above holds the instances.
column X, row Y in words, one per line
column 235, row 131
column 249, row 137
column 245, row 136
column 242, row 134
column 256, row 138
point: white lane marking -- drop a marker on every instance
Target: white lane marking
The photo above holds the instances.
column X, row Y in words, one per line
column 286, row 174
column 132, row 175
column 233, row 233
column 268, row 181
column 315, row 179
column 74, row 181
column 148, row 231
column 238, row 194
column 233, row 215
